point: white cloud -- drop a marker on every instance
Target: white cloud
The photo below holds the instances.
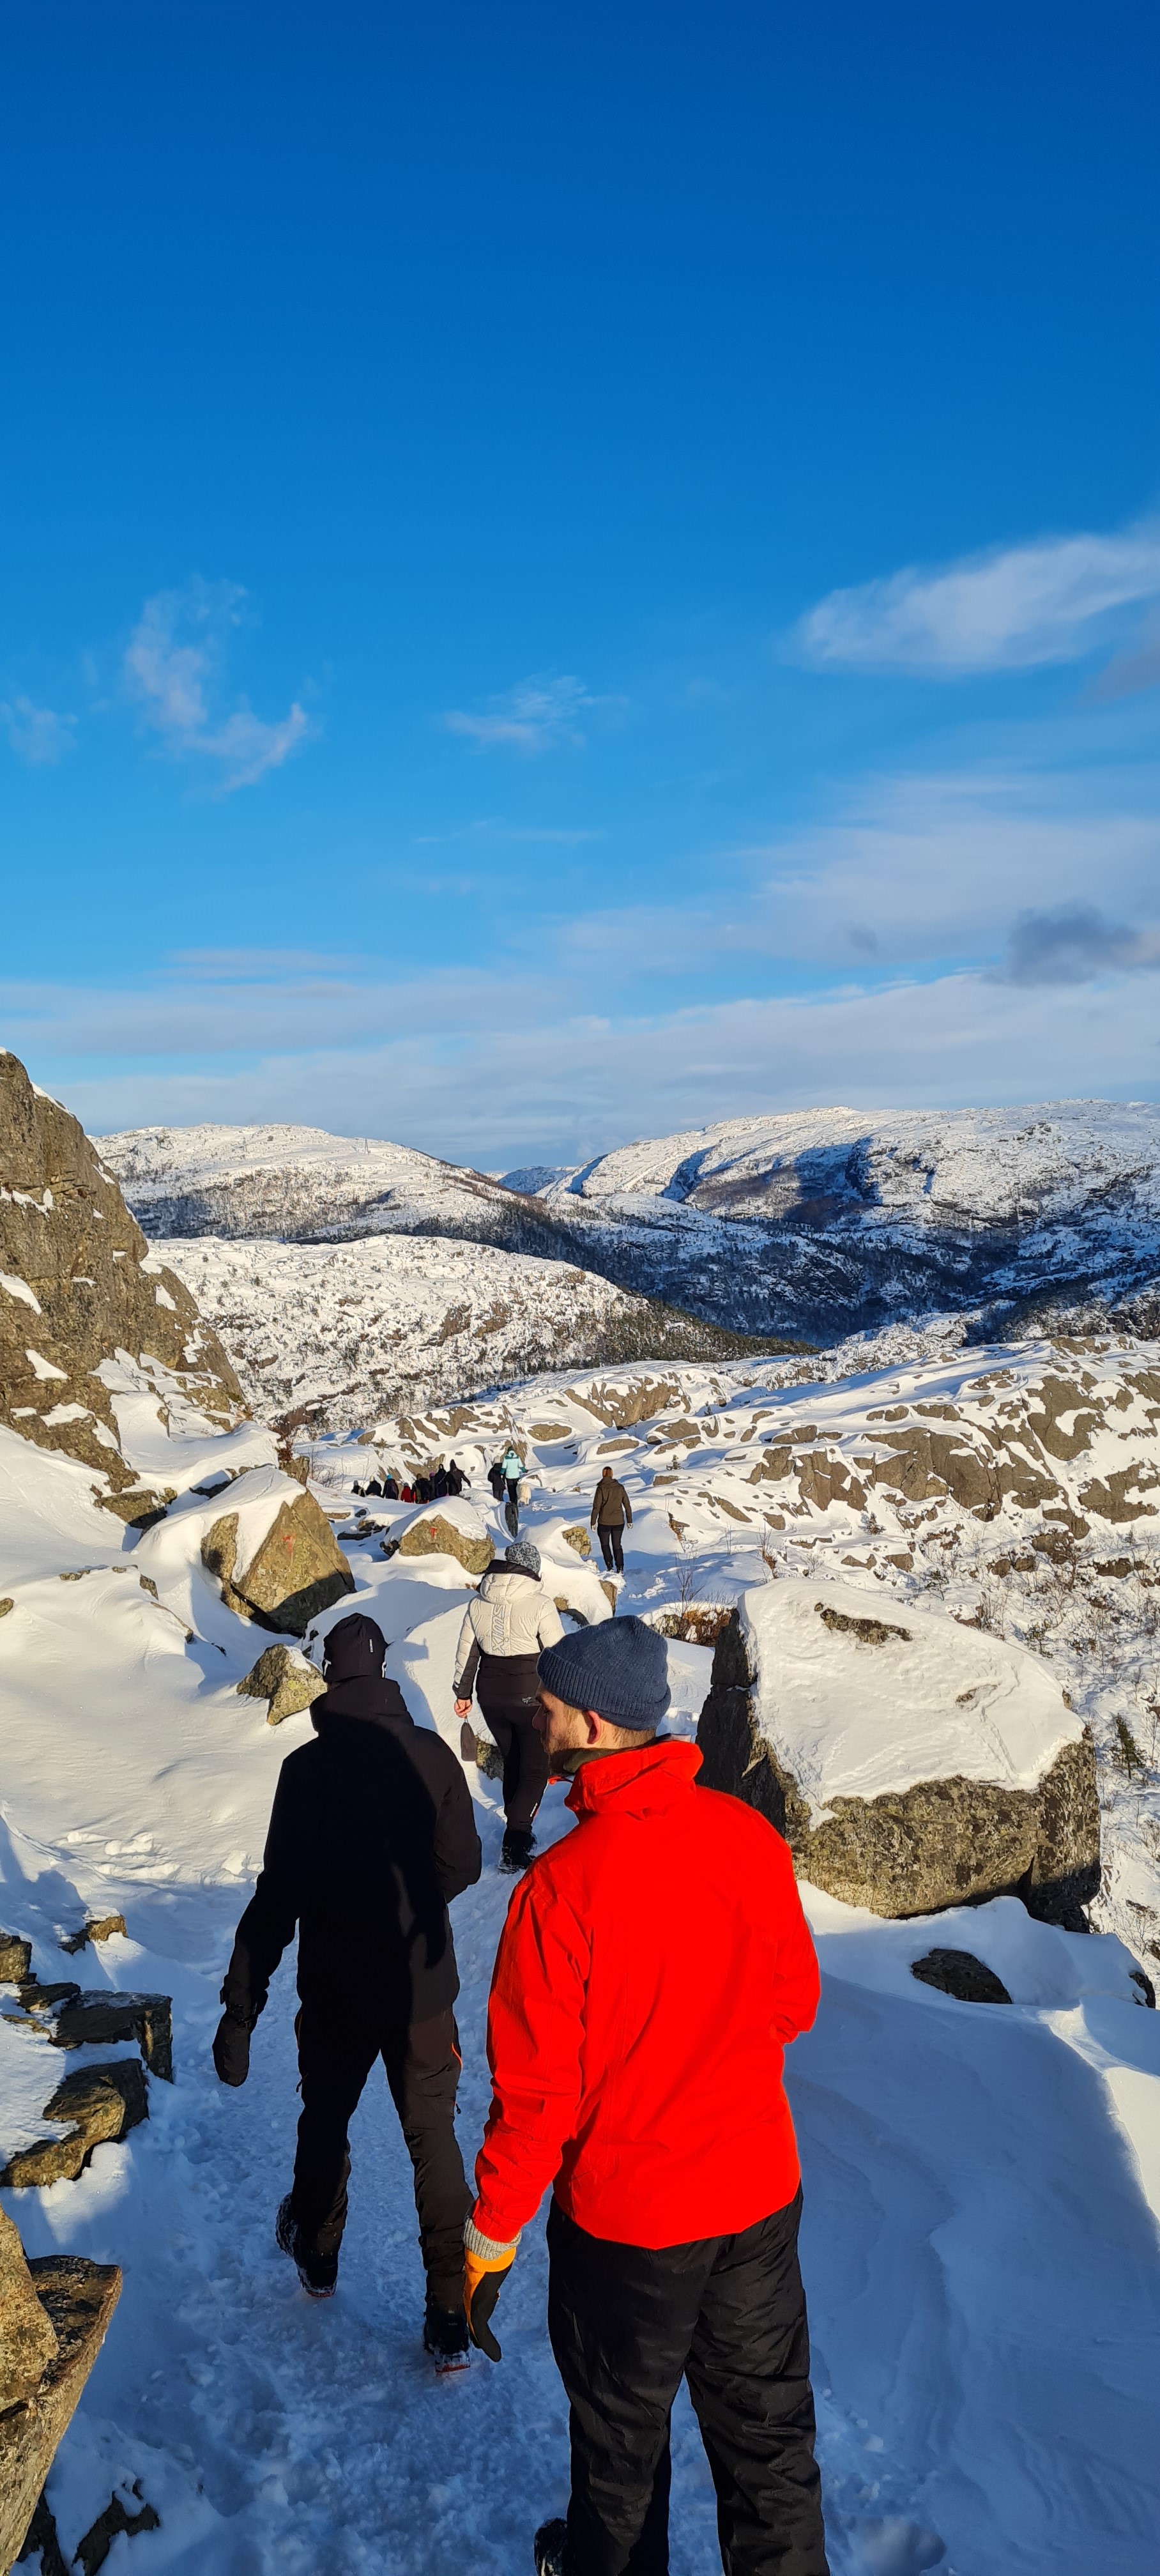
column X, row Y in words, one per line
column 171, row 667
column 1008, row 610
column 37, row 734
column 539, row 714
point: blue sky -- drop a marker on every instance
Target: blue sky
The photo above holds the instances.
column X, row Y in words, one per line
column 572, row 574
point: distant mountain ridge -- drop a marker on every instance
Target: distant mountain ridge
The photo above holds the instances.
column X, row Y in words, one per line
column 813, row 1222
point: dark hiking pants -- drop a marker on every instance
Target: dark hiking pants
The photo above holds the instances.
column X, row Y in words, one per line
column 507, row 1688
column 511, row 1486
column 335, row 2057
column 729, row 2315
column 611, row 1536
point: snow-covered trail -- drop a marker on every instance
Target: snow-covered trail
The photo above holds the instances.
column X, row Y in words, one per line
column 980, row 2256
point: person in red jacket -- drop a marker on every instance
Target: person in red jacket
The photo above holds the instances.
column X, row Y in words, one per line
column 651, row 1971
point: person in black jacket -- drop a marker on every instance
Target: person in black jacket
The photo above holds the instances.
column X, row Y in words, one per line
column 372, row 1834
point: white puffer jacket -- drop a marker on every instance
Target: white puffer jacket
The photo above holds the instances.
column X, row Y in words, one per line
column 512, row 1614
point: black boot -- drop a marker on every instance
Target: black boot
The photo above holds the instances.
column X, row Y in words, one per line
column 517, row 1850
column 445, row 2336
column 549, row 2548
column 318, row 2273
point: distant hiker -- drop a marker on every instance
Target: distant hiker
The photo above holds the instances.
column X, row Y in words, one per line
column 371, row 1835
column 456, row 1478
column 495, row 1478
column 439, row 1483
column 390, row 1489
column 511, row 1468
column 611, row 1508
column 406, row 1493
column 422, row 1489
column 512, row 1616
column 652, row 1968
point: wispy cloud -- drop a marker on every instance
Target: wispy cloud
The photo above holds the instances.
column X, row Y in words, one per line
column 172, row 669
column 539, row 714
column 1008, row 610
column 37, row 734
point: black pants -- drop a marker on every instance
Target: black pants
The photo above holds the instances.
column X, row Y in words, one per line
column 335, row 2057
column 611, row 1536
column 507, row 1688
column 511, row 1486
column 728, row 2314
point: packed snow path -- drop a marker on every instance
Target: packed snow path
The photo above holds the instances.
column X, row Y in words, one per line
column 980, row 2255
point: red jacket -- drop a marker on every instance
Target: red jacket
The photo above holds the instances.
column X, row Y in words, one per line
column 652, row 1967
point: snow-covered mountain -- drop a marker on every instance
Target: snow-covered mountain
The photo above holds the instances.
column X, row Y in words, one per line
column 342, row 1332
column 816, row 1222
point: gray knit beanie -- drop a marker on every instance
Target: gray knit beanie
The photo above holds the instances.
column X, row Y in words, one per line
column 620, row 1669
column 521, row 1553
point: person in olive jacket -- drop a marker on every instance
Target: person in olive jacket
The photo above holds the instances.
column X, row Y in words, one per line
column 611, row 1509
column 372, row 1834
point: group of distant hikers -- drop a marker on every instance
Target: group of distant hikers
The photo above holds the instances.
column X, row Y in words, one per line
column 653, row 1966
column 429, row 1486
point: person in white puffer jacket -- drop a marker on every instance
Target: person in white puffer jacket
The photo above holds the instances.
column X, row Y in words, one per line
column 511, row 1618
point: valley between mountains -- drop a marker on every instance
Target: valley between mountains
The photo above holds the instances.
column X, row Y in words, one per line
column 909, row 1580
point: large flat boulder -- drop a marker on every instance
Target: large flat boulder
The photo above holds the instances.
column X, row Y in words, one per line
column 450, row 1527
column 911, row 1763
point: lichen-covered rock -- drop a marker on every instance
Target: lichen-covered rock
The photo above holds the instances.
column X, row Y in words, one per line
column 15, row 1959
column 285, row 1680
column 297, row 1570
column 458, row 1531
column 78, row 2299
column 77, row 1285
column 102, row 2019
column 99, row 2103
column 911, row 1764
column 27, row 2341
column 100, row 1927
column 579, row 1537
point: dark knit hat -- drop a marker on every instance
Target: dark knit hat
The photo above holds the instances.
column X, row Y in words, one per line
column 620, row 1669
column 524, row 1556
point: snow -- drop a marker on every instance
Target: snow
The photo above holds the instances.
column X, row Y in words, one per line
column 19, row 1288
column 981, row 2240
column 934, row 1701
column 359, row 1329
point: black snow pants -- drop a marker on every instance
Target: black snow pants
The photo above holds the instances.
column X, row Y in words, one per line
column 507, row 1688
column 727, row 2313
column 611, row 1536
column 511, row 1486
column 335, row 2057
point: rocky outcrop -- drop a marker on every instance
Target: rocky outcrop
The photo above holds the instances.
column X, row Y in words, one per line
column 100, row 1927
column 886, row 1758
column 296, row 1571
column 77, row 2299
column 98, row 2103
column 285, row 1681
column 72, row 2019
column 15, row 1959
column 77, row 1285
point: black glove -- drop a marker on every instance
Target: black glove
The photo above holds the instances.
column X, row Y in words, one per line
column 231, row 2050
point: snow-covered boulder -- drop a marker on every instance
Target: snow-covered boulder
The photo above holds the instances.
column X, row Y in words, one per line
column 450, row 1527
column 911, row 1762
column 275, row 1554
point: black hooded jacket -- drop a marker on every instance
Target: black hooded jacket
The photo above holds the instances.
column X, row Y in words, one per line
column 371, row 1835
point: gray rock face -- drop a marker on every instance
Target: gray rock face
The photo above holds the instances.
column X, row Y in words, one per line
column 71, row 2019
column 939, row 1843
column 78, row 1292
